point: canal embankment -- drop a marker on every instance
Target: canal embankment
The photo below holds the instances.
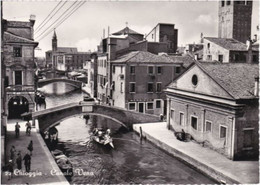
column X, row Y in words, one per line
column 201, row 158
column 43, row 166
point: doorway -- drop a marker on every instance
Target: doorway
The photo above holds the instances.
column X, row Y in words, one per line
column 141, row 107
column 18, row 77
column 16, row 106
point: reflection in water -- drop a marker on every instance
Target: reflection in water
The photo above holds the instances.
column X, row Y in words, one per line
column 130, row 161
column 57, row 88
column 60, row 94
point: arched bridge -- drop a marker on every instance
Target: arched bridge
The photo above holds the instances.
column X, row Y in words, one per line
column 74, row 83
column 53, row 116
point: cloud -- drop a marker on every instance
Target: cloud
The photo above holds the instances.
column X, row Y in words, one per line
column 205, row 19
column 87, row 44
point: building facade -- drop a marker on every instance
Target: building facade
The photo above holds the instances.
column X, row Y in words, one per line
column 138, row 81
column 165, row 34
column 227, row 50
column 102, row 78
column 90, row 66
column 70, row 61
column 110, row 48
column 18, row 59
column 222, row 116
column 235, row 19
column 65, row 58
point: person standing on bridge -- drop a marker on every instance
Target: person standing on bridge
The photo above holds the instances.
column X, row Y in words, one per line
column 17, row 129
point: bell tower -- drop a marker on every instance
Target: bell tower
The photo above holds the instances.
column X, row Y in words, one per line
column 235, row 19
column 54, row 41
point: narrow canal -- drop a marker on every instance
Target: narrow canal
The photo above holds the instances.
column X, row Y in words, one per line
column 130, row 162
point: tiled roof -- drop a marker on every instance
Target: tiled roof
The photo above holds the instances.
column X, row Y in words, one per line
column 126, row 30
column 10, row 37
column 228, row 43
column 237, row 79
column 143, row 57
column 185, row 60
column 67, row 50
column 78, row 53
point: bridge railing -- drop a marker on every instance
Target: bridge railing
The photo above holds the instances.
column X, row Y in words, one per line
column 57, row 108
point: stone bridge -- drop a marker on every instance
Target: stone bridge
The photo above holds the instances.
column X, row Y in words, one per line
column 53, row 116
column 74, row 83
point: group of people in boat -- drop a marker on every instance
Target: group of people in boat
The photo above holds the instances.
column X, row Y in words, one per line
column 101, row 134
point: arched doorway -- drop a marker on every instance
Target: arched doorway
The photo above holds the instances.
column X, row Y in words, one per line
column 16, row 106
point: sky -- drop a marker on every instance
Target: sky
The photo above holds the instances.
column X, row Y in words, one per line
column 84, row 28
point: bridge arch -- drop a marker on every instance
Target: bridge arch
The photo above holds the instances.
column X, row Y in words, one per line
column 52, row 116
column 81, row 114
column 74, row 83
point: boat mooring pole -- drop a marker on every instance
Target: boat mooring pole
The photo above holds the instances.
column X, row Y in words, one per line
column 141, row 133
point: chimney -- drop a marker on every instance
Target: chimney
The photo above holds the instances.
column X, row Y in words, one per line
column 249, row 49
column 201, row 38
column 256, row 86
column 104, row 33
column 196, row 56
column 108, row 30
column 111, row 49
column 32, row 19
column 255, row 37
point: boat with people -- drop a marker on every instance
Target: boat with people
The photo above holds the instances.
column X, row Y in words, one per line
column 102, row 137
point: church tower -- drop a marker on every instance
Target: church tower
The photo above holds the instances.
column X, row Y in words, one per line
column 235, row 19
column 54, row 42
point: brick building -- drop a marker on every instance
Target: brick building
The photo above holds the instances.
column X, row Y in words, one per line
column 223, row 116
column 70, row 61
column 65, row 58
column 235, row 19
column 110, row 48
column 138, row 80
column 18, row 60
column 163, row 37
column 229, row 50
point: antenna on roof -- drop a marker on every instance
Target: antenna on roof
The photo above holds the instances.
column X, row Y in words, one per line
column 126, row 23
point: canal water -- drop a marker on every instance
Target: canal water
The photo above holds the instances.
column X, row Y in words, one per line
column 131, row 161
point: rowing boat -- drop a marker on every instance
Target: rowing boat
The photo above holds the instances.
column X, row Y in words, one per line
column 102, row 137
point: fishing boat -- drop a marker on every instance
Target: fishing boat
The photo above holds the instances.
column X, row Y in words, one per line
column 102, row 137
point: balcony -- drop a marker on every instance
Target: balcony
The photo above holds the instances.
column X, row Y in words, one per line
column 20, row 88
